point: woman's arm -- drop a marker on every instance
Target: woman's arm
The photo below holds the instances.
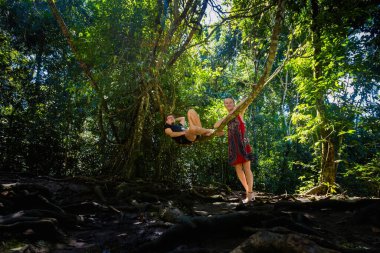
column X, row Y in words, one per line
column 217, row 124
column 240, row 104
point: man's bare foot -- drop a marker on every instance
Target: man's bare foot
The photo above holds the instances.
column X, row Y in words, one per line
column 209, row 132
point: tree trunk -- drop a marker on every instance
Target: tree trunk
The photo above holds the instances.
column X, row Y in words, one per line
column 328, row 168
column 328, row 173
column 124, row 162
column 134, row 144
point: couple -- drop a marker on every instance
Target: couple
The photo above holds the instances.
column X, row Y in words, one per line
column 239, row 150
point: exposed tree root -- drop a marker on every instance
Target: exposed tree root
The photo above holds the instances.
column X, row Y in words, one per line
column 152, row 217
column 326, row 204
column 265, row 241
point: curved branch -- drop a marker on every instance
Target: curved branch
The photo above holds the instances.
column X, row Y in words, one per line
column 178, row 53
column 265, row 78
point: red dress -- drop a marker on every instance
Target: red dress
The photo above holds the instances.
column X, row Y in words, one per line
column 239, row 150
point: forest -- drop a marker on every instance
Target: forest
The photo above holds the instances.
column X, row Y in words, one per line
column 85, row 90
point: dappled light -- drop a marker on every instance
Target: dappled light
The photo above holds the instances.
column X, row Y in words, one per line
column 189, row 126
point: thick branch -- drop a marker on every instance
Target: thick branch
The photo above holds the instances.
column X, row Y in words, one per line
column 265, row 78
column 173, row 28
column 66, row 33
column 183, row 47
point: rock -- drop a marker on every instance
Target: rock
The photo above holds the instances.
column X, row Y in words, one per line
column 171, row 214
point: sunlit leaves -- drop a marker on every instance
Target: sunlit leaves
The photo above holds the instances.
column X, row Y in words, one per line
column 369, row 172
column 48, row 105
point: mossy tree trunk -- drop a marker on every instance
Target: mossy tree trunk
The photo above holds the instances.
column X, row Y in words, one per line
column 327, row 164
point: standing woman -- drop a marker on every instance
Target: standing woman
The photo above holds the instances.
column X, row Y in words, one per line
column 239, row 150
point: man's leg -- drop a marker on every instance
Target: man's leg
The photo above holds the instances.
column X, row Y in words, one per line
column 195, row 125
column 193, row 118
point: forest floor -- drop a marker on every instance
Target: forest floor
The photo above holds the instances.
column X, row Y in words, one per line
column 87, row 215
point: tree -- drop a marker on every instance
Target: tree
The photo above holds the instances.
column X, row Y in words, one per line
column 327, row 52
column 160, row 61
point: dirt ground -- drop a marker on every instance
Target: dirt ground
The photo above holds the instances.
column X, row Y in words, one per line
column 86, row 215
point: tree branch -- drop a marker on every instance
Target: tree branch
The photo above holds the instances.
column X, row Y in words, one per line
column 83, row 65
column 265, row 78
column 179, row 52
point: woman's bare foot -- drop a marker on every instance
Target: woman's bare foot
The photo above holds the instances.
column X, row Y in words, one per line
column 250, row 197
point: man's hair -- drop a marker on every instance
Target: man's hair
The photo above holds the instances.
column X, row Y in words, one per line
column 166, row 118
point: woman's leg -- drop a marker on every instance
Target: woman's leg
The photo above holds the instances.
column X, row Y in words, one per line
column 249, row 177
column 240, row 174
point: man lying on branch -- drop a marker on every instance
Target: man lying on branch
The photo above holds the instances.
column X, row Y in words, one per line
column 180, row 134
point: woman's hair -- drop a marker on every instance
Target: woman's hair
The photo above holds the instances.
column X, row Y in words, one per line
column 229, row 97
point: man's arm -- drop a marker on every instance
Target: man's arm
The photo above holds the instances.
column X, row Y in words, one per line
column 181, row 120
column 172, row 134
